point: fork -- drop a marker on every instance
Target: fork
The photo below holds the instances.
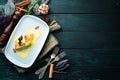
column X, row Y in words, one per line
column 57, row 58
column 52, row 56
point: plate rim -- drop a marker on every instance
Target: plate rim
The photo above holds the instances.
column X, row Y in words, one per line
column 12, row 60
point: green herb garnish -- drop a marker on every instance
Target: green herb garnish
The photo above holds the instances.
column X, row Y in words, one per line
column 31, row 7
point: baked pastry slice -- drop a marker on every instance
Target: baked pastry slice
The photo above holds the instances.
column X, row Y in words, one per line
column 23, row 41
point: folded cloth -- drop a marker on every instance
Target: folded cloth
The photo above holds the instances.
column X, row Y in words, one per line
column 54, row 25
column 7, row 9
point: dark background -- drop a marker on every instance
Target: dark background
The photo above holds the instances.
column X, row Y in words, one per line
column 90, row 36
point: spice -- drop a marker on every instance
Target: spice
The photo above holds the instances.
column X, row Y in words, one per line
column 46, row 19
column 22, row 4
column 43, row 9
column 36, row 7
column 21, row 9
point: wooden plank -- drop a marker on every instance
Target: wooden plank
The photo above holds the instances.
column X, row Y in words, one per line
column 4, row 60
column 7, row 74
column 89, row 40
column 88, row 22
column 84, row 58
column 85, row 6
column 93, row 57
column 82, row 6
column 84, row 64
column 89, row 74
column 75, row 73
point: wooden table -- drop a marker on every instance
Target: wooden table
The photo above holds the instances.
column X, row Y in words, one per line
column 90, row 36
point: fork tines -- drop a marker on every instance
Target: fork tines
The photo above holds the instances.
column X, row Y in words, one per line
column 62, row 54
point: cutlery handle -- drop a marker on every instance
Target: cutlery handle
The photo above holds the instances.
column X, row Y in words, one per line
column 41, row 69
column 43, row 72
column 51, row 71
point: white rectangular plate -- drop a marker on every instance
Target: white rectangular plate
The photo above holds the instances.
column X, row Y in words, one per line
column 22, row 26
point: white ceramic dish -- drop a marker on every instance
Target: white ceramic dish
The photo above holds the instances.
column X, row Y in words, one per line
column 25, row 22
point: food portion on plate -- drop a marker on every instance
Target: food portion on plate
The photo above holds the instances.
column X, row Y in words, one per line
column 24, row 42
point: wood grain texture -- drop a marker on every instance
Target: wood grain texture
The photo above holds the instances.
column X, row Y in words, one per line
column 82, row 6
column 84, row 58
column 79, row 73
column 88, row 22
column 85, row 6
column 90, row 36
column 89, row 40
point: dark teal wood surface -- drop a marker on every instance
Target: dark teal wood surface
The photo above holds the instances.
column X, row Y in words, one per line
column 90, row 36
column 88, row 22
column 85, row 6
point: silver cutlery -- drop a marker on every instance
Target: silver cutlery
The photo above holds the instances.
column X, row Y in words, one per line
column 60, row 66
column 52, row 56
column 57, row 58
